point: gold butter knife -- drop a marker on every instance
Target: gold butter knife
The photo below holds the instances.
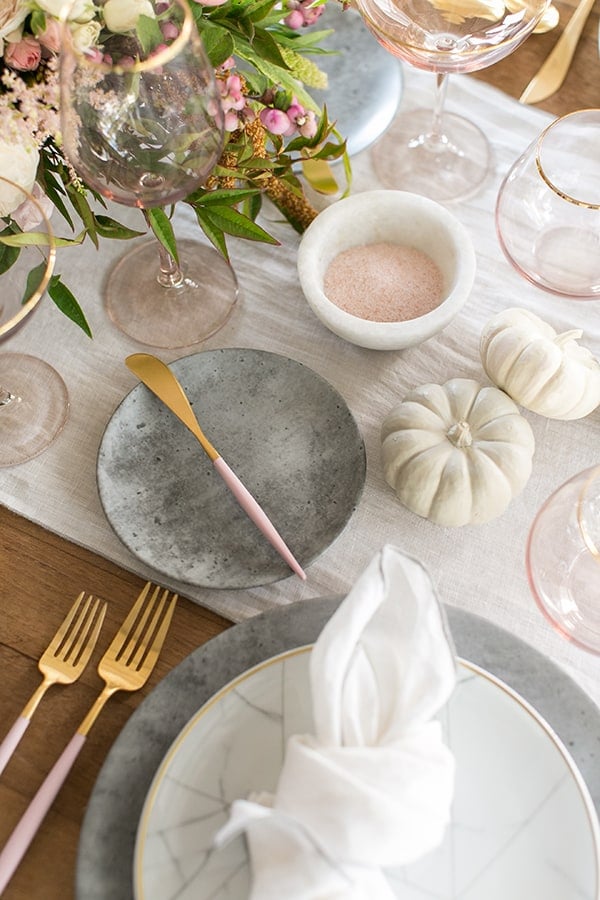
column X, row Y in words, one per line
column 552, row 73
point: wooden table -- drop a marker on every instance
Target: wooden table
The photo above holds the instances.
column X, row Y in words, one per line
column 41, row 574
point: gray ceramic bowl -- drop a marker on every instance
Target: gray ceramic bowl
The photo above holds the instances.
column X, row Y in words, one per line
column 385, row 216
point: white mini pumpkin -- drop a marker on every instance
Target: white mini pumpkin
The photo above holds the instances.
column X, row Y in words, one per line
column 546, row 372
column 457, row 453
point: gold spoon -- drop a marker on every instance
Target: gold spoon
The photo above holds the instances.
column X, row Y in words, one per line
column 159, row 378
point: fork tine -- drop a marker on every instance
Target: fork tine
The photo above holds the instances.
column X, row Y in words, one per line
column 64, row 628
column 150, row 631
column 84, row 647
column 159, row 637
column 76, row 635
column 123, row 632
column 127, row 652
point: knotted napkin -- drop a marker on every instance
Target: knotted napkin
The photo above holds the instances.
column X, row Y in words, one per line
column 372, row 787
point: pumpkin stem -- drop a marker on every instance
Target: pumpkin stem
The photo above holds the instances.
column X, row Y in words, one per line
column 574, row 335
column 460, row 435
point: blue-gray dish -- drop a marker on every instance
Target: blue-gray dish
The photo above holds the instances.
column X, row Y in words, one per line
column 284, row 430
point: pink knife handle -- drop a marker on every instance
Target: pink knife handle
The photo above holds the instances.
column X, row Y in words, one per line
column 17, row 844
column 257, row 514
column 8, row 745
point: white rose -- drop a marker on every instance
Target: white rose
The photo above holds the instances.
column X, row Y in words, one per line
column 122, row 15
column 12, row 15
column 18, row 163
column 78, row 11
column 85, row 36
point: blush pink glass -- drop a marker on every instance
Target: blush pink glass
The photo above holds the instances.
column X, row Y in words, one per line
column 548, row 208
column 442, row 155
column 563, row 559
column 34, row 401
column 145, row 129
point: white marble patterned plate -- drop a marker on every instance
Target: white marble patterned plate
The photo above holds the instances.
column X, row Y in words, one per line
column 285, row 431
column 523, row 824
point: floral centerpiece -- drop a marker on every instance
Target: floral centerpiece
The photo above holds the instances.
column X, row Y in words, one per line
column 262, row 53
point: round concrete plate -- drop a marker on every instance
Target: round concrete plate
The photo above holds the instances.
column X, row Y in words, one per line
column 365, row 81
column 286, row 433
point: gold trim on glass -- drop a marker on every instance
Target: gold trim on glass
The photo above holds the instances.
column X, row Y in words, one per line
column 553, row 187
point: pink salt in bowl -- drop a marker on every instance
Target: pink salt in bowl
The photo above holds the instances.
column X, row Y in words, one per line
column 386, row 269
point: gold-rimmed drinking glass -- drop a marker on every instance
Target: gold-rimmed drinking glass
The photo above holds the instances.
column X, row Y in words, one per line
column 34, row 401
column 548, row 208
column 142, row 124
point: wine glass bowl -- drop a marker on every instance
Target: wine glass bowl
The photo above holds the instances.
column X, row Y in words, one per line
column 548, row 208
column 143, row 128
column 143, row 125
column 444, row 156
column 563, row 559
column 33, row 396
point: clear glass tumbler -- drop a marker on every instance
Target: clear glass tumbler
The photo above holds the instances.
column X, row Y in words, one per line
column 548, row 208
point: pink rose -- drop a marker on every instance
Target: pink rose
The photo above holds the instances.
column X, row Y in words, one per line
column 50, row 36
column 210, row 2
column 24, row 55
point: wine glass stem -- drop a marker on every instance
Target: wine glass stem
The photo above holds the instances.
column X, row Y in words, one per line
column 436, row 137
column 170, row 274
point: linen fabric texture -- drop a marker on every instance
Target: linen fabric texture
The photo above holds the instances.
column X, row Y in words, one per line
column 372, row 788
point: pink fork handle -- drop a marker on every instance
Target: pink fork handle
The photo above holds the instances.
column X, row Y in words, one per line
column 9, row 744
column 257, row 514
column 17, row 844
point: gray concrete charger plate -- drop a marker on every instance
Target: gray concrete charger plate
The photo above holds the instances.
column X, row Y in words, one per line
column 284, row 430
column 364, row 80
column 106, row 849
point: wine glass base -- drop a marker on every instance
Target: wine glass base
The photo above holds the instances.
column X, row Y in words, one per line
column 451, row 167
column 36, row 410
column 171, row 317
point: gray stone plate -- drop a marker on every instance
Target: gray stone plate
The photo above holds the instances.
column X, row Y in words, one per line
column 106, row 848
column 286, row 433
column 365, row 81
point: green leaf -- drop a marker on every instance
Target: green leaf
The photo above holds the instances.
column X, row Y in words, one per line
column 268, row 49
column 319, row 175
column 39, row 239
column 213, row 233
column 37, row 22
column 160, row 224
column 217, row 41
column 228, row 197
column 34, row 279
column 8, row 255
column 149, row 33
column 85, row 213
column 237, row 224
column 110, row 228
column 68, row 305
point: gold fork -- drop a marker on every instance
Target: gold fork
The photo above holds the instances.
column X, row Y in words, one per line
column 63, row 661
column 126, row 666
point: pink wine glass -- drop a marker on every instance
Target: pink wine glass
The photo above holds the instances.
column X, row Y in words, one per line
column 34, row 402
column 563, row 559
column 143, row 125
column 442, row 155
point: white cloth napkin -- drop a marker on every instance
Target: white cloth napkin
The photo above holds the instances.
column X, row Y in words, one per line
column 372, row 787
